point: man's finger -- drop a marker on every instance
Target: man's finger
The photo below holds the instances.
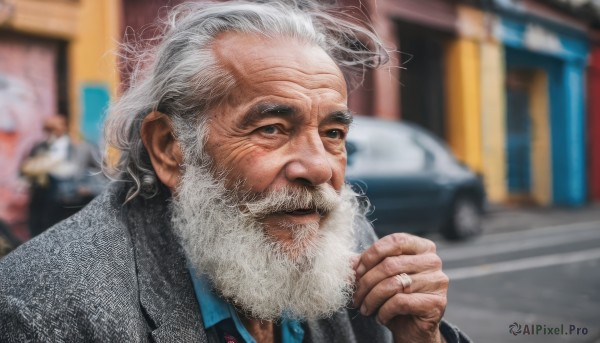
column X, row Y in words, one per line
column 392, row 245
column 425, row 306
column 392, row 266
column 432, row 283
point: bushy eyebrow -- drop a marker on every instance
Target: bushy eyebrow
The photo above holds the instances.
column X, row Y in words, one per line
column 266, row 110
column 341, row 117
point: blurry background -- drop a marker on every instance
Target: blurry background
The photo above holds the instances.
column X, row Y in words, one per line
column 511, row 86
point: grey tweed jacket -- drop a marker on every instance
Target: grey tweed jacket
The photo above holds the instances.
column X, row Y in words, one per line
column 115, row 273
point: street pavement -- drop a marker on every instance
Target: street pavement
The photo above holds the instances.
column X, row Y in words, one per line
column 533, row 276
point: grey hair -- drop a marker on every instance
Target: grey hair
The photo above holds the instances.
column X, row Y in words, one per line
column 181, row 78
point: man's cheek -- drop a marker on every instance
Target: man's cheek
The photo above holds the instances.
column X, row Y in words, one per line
column 234, row 160
column 339, row 172
column 262, row 170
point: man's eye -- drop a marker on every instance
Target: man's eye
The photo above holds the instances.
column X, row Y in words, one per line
column 335, row 134
column 269, row 129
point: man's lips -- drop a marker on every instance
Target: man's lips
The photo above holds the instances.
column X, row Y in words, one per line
column 301, row 212
column 306, row 211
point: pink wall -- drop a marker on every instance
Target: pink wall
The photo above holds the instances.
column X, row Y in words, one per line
column 27, row 96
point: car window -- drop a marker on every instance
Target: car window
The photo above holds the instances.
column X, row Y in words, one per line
column 436, row 146
column 387, row 151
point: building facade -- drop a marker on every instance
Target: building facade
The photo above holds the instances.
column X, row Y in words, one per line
column 511, row 85
column 508, row 84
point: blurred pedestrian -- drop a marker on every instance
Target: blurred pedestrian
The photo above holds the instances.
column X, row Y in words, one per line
column 8, row 241
column 61, row 176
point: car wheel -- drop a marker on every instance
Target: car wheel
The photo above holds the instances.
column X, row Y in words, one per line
column 464, row 220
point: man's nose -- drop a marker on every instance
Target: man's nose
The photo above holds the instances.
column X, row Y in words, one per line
column 309, row 165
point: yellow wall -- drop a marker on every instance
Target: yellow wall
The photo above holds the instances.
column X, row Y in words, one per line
column 56, row 19
column 493, row 116
column 476, row 122
column 463, row 101
column 92, row 53
column 541, row 171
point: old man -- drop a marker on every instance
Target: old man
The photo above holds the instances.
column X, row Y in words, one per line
column 229, row 220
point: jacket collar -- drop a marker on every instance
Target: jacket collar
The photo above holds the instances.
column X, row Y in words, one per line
column 166, row 293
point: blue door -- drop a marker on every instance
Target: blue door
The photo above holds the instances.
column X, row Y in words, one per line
column 518, row 140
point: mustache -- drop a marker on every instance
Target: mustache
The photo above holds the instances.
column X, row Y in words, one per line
column 322, row 199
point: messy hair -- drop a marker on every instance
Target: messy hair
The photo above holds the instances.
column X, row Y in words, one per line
column 181, row 78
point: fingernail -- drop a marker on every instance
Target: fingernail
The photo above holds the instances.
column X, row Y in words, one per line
column 354, row 261
column 363, row 310
column 361, row 269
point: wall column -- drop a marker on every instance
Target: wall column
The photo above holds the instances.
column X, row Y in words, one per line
column 463, row 101
column 493, row 119
column 93, row 66
column 593, row 95
column 541, row 171
column 569, row 147
column 386, row 80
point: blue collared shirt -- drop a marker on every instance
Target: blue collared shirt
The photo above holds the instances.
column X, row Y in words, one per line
column 215, row 311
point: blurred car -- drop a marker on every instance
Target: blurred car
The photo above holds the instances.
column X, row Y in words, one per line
column 412, row 181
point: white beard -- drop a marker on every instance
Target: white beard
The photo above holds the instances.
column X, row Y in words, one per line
column 253, row 271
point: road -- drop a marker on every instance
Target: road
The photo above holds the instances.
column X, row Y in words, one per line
column 544, row 281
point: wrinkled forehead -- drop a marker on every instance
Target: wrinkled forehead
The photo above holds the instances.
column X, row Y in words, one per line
column 252, row 59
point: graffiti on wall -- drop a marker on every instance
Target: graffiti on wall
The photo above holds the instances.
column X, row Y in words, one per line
column 17, row 134
column 27, row 96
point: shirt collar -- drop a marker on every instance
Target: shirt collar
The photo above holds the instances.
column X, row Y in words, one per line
column 213, row 308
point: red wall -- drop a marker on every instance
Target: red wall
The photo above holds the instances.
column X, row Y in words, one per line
column 594, row 124
column 140, row 21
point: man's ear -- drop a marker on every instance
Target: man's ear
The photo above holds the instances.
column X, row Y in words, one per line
column 164, row 150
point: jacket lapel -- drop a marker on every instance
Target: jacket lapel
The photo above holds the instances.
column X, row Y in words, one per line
column 166, row 293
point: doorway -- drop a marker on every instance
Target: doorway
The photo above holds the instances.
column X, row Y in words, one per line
column 518, row 134
column 422, row 57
